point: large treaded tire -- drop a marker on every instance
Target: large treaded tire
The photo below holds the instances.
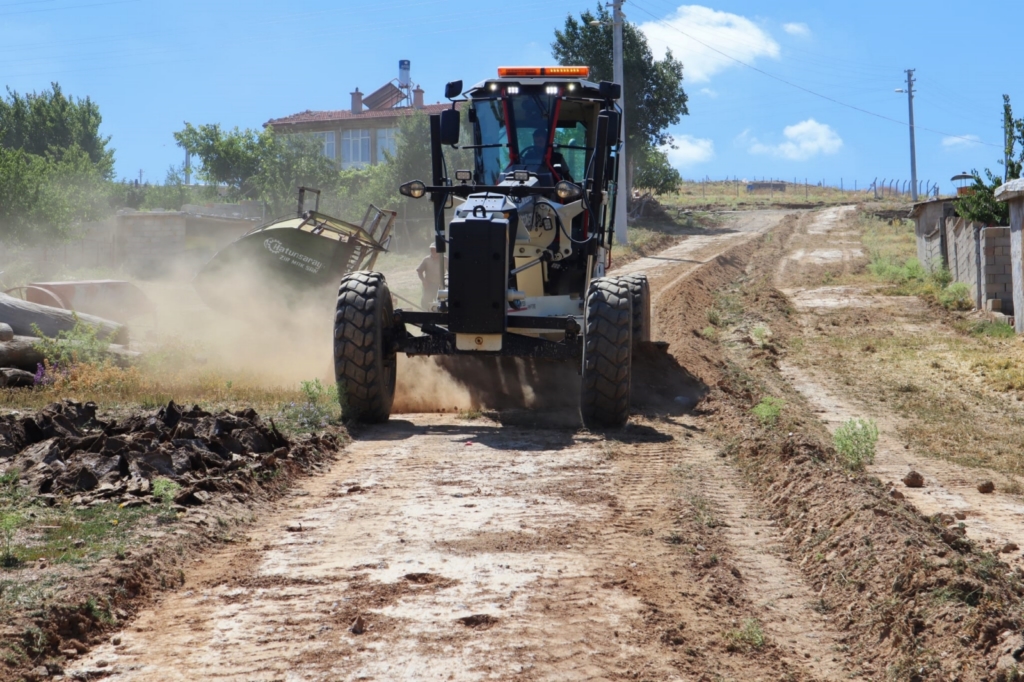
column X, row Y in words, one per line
column 607, row 354
column 640, row 290
column 364, row 363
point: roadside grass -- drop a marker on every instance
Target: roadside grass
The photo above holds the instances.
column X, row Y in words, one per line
column 749, row 636
column 892, row 259
column 943, row 386
column 733, row 195
column 308, row 406
column 648, row 236
column 69, row 535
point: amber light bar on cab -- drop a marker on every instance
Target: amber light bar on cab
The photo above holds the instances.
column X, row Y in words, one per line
column 524, row 71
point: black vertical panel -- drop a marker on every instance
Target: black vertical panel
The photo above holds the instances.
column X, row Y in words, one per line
column 478, row 276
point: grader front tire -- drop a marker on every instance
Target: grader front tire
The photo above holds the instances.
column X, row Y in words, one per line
column 607, row 354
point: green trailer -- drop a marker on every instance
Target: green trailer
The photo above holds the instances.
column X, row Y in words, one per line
column 289, row 258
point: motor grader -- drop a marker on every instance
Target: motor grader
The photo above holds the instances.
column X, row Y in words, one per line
column 526, row 248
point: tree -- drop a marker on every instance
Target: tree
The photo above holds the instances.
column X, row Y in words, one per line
column 655, row 173
column 54, row 165
column 259, row 164
column 980, row 205
column 45, row 122
column 654, row 96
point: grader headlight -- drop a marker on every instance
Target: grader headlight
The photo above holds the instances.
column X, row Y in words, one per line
column 567, row 191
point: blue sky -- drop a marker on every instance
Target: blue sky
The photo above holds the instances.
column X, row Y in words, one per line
column 153, row 64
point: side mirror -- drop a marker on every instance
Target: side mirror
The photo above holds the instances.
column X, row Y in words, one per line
column 450, row 126
column 610, row 90
column 453, row 89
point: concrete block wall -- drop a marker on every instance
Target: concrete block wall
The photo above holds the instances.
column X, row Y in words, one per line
column 997, row 269
column 930, row 251
column 149, row 241
column 962, row 249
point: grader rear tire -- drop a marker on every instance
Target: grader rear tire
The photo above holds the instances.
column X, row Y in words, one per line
column 640, row 291
column 364, row 363
column 607, row 354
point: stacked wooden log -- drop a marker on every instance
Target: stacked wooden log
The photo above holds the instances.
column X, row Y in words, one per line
column 20, row 346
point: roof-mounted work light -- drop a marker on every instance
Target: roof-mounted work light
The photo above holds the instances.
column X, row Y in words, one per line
column 535, row 71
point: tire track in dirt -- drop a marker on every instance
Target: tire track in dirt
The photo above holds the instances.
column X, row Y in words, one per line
column 993, row 519
column 470, row 550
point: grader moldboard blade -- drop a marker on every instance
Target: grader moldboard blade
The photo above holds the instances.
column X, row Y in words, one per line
column 287, row 259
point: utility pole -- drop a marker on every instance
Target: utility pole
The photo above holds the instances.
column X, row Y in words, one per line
column 621, row 197
column 913, row 151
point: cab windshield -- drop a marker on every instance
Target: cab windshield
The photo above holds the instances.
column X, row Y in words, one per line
column 547, row 134
column 529, row 115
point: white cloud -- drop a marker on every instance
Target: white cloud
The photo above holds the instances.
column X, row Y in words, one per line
column 803, row 141
column 708, row 92
column 797, row 29
column 957, row 141
column 689, row 150
column 734, row 35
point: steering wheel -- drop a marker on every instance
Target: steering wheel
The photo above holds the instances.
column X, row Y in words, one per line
column 532, row 154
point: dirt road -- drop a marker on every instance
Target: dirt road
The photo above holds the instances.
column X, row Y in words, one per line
column 829, row 240
column 447, row 548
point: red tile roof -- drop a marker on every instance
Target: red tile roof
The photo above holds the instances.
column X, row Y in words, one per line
column 347, row 115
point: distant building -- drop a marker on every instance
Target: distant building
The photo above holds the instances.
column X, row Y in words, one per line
column 358, row 136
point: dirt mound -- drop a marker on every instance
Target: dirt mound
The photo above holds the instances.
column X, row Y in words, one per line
column 67, row 450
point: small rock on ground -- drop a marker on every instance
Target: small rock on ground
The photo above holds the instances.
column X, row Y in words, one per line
column 913, row 480
column 1009, row 547
column 986, row 487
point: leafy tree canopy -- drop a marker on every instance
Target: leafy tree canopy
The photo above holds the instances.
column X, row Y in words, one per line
column 48, row 123
column 259, row 164
column 54, row 165
column 654, row 96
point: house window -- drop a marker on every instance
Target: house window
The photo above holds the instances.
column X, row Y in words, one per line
column 327, row 140
column 387, row 141
column 355, row 148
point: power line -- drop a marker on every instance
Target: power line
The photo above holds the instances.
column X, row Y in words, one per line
column 807, row 90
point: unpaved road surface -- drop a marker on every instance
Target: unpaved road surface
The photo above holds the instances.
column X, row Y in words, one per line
column 443, row 548
column 828, row 237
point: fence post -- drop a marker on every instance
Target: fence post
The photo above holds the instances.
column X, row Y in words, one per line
column 805, row 189
column 1013, row 193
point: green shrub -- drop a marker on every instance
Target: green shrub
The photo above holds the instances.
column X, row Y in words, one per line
column 322, row 405
column 957, row 296
column 941, row 276
column 768, row 410
column 855, row 442
column 81, row 345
